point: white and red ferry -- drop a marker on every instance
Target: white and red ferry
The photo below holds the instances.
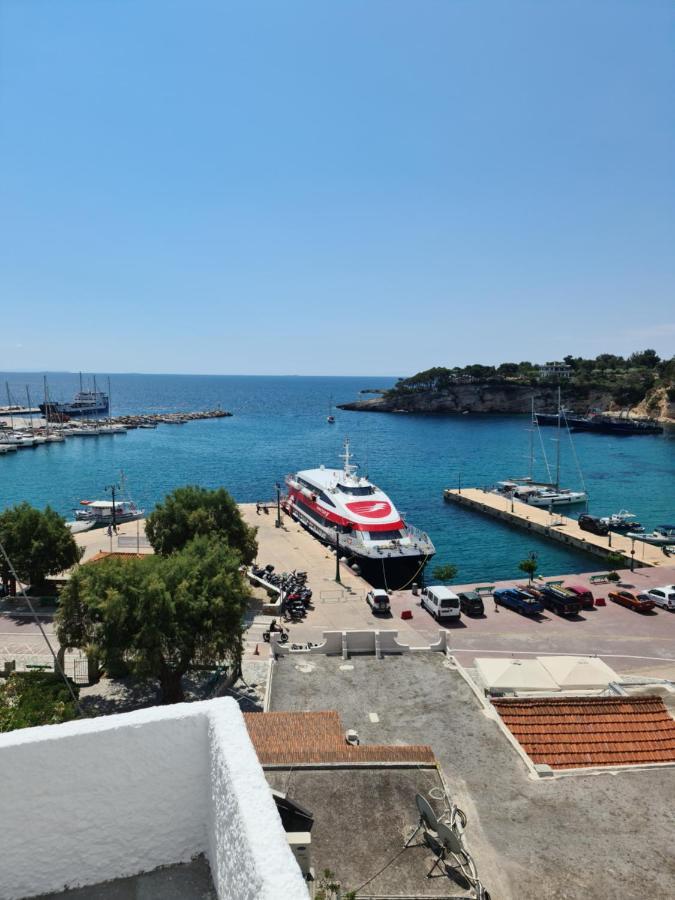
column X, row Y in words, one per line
column 347, row 511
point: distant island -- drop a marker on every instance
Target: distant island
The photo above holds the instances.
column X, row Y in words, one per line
column 643, row 384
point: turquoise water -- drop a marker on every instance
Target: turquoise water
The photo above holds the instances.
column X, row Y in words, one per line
column 279, row 426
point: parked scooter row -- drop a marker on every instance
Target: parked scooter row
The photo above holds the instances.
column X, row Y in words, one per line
column 297, row 596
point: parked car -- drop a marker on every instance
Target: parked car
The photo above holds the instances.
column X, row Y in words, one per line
column 663, row 596
column 441, row 602
column 579, row 592
column 638, row 602
column 471, row 603
column 558, row 602
column 518, row 600
column 378, row 601
column 593, row 524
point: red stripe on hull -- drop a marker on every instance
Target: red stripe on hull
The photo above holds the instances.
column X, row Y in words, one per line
column 335, row 519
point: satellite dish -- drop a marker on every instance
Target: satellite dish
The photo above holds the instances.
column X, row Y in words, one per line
column 427, row 815
column 450, row 840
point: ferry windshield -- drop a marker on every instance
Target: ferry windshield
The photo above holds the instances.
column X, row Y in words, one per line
column 357, row 491
column 392, row 535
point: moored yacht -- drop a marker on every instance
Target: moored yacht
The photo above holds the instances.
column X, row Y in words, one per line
column 348, row 512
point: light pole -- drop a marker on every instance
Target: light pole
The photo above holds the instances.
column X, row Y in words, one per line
column 113, row 488
column 337, row 556
column 632, row 554
column 277, row 524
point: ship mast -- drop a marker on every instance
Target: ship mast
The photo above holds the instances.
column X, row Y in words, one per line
column 349, row 468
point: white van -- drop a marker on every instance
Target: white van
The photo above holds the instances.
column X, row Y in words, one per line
column 440, row 602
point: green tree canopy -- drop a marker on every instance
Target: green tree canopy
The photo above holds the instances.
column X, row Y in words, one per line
column 162, row 615
column 28, row 699
column 529, row 566
column 191, row 511
column 38, row 542
column 445, row 573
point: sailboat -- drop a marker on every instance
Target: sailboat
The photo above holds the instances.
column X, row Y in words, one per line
column 537, row 493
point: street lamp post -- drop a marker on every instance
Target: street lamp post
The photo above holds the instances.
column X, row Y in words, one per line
column 113, row 488
column 632, row 554
column 277, row 524
column 337, row 557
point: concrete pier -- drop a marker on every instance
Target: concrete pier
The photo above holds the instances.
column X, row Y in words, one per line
column 555, row 526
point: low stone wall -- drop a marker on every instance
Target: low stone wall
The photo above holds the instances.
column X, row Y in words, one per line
column 346, row 643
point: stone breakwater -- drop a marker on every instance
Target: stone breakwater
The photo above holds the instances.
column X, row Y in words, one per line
column 176, row 418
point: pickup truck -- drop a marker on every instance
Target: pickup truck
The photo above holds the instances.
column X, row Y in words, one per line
column 518, row 600
column 578, row 592
column 554, row 600
column 638, row 602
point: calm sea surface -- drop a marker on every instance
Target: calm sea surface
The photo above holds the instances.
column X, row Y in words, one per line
column 279, row 425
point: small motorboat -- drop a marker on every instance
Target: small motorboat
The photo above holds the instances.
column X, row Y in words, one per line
column 621, row 522
column 661, row 536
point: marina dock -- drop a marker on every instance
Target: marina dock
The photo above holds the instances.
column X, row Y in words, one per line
column 556, row 527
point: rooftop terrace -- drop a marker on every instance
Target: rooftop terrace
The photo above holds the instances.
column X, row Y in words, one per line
column 572, row 836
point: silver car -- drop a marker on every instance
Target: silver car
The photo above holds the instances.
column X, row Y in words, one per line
column 663, row 596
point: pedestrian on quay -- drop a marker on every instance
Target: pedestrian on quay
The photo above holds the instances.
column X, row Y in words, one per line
column 495, row 602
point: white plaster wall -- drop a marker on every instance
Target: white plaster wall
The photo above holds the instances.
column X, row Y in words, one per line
column 103, row 798
column 248, row 849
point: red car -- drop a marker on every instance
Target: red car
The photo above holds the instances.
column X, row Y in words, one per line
column 638, row 602
column 582, row 594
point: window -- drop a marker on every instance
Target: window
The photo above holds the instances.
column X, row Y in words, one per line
column 392, row 535
column 357, row 491
column 449, row 603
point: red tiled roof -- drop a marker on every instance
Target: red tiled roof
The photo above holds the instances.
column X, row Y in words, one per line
column 566, row 732
column 294, row 738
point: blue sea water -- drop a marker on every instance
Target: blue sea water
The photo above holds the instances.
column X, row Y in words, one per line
column 279, row 426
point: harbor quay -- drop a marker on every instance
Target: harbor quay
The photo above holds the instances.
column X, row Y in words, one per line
column 635, row 642
column 555, row 527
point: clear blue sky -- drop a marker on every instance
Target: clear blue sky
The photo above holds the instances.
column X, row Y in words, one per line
column 356, row 186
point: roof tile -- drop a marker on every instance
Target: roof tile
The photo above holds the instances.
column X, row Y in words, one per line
column 296, row 738
column 590, row 731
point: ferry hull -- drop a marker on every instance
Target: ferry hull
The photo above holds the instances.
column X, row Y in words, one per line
column 383, row 571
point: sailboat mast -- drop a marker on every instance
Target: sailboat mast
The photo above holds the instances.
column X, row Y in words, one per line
column 109, row 403
column 532, row 440
column 46, row 393
column 9, row 404
column 80, row 382
column 557, row 457
column 32, row 427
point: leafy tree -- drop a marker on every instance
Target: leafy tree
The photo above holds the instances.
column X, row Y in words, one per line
column 529, row 566
column 38, row 542
column 648, row 359
column 508, row 370
column 190, row 511
column 445, row 573
column 162, row 615
column 35, row 698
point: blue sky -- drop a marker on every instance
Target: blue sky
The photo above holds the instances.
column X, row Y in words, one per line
column 350, row 187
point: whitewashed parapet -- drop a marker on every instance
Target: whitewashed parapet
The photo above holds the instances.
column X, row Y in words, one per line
column 94, row 800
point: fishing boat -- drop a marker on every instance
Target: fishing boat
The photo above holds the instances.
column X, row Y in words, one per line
column 351, row 514
column 101, row 513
